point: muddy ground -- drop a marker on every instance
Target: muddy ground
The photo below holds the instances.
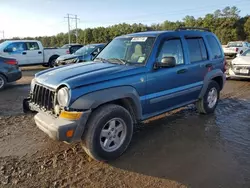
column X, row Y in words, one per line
column 181, row 149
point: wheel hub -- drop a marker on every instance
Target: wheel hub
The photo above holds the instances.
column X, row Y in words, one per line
column 212, row 97
column 113, row 134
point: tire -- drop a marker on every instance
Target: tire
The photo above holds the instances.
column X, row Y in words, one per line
column 52, row 61
column 102, row 120
column 3, row 82
column 203, row 106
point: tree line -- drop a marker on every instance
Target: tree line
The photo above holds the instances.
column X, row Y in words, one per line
column 226, row 24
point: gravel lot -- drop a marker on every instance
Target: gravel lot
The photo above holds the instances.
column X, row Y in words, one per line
column 179, row 149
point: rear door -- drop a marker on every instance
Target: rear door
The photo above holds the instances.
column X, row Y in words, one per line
column 198, row 60
column 34, row 53
column 17, row 50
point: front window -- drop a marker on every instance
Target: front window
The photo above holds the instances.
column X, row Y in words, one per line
column 134, row 50
column 15, row 47
column 85, row 50
column 246, row 53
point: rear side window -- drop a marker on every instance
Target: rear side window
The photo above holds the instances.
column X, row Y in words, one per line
column 197, row 50
column 32, row 46
column 214, row 46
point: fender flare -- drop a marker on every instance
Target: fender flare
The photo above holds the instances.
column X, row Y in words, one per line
column 94, row 99
column 210, row 76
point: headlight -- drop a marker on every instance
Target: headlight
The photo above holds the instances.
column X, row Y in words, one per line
column 32, row 85
column 63, row 96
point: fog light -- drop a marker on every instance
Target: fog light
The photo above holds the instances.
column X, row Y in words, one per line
column 69, row 133
column 57, row 110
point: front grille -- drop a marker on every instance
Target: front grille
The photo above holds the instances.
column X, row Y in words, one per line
column 43, row 97
column 237, row 69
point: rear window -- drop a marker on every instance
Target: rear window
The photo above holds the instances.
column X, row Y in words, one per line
column 197, row 50
column 215, row 47
column 235, row 44
column 32, row 46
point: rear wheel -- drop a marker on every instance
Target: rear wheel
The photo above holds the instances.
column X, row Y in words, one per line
column 109, row 132
column 209, row 101
column 3, row 82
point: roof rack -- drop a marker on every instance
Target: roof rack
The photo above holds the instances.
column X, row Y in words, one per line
column 193, row 28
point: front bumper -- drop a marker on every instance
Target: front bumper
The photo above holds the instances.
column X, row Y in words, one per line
column 232, row 74
column 57, row 127
column 14, row 76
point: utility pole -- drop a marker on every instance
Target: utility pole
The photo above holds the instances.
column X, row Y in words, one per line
column 76, row 28
column 2, row 33
column 72, row 18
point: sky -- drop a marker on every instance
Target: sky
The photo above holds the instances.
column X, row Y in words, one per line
column 22, row 18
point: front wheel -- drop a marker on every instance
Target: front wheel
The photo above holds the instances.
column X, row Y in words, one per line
column 208, row 103
column 109, row 132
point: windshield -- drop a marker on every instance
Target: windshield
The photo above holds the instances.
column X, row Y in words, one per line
column 246, row 53
column 85, row 50
column 128, row 50
column 235, row 44
column 4, row 44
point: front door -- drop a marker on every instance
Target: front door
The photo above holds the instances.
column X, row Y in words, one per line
column 16, row 50
column 168, row 88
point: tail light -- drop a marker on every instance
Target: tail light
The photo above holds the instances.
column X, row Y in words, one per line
column 237, row 49
column 68, row 52
column 11, row 62
column 224, row 65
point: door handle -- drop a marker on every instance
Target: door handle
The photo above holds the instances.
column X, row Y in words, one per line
column 209, row 65
column 39, row 52
column 181, row 71
column 24, row 53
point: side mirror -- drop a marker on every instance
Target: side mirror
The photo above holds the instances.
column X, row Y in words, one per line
column 167, row 62
column 94, row 53
column 8, row 50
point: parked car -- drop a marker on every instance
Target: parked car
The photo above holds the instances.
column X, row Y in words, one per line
column 86, row 53
column 30, row 52
column 234, row 48
column 72, row 47
column 9, row 71
column 240, row 66
column 134, row 78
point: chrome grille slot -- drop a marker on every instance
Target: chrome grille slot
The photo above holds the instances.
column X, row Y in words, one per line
column 43, row 97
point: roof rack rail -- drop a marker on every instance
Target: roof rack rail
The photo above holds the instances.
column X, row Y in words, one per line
column 193, row 28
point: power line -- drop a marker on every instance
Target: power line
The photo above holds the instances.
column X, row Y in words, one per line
column 173, row 12
column 69, row 18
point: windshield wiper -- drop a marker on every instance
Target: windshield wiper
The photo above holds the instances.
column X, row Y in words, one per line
column 102, row 60
column 122, row 61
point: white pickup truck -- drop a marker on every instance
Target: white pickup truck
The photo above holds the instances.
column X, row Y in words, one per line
column 234, row 48
column 31, row 52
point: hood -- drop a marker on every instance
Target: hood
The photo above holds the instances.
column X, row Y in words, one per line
column 81, row 74
column 66, row 57
column 241, row 60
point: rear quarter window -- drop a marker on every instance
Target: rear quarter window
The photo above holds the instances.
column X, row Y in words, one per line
column 214, row 47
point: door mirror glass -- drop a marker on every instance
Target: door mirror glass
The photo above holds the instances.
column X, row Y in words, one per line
column 8, row 50
column 167, row 62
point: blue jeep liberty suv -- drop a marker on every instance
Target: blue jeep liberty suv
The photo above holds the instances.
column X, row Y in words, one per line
column 135, row 77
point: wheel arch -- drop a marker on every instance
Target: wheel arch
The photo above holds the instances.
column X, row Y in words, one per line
column 216, row 75
column 125, row 96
